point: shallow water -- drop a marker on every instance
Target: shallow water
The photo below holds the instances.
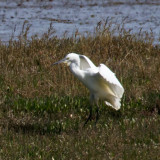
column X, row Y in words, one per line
column 82, row 15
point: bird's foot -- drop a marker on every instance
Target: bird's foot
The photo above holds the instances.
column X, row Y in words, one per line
column 88, row 119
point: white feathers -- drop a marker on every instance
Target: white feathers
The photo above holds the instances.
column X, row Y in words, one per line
column 111, row 80
column 101, row 81
column 85, row 63
column 112, row 86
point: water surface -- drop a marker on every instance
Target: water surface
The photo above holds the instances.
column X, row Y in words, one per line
column 82, row 15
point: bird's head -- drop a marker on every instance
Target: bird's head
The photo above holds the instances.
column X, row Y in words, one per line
column 70, row 58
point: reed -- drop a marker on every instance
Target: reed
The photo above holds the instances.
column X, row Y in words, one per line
column 43, row 108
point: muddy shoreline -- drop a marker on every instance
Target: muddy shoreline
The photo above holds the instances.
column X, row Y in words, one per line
column 68, row 16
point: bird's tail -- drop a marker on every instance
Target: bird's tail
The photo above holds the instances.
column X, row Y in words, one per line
column 115, row 103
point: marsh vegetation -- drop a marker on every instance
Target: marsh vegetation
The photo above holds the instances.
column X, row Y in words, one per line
column 43, row 108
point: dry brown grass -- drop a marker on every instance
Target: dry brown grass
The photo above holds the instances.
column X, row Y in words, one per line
column 26, row 64
column 43, row 107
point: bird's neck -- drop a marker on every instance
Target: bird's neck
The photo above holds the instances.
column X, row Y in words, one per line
column 75, row 69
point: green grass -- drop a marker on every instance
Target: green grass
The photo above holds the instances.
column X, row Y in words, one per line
column 43, row 108
column 42, row 128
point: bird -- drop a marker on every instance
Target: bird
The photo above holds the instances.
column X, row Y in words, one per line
column 101, row 82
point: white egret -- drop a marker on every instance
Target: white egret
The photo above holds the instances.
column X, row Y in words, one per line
column 101, row 81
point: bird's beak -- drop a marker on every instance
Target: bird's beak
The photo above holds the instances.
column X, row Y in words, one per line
column 61, row 61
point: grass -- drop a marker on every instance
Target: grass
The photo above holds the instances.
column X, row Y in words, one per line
column 43, row 108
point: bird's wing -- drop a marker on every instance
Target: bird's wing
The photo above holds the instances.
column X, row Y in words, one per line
column 85, row 63
column 108, row 77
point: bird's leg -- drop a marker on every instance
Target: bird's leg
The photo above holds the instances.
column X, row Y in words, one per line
column 90, row 113
column 89, row 117
column 97, row 113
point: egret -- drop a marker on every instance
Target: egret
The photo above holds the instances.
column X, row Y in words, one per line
column 101, row 81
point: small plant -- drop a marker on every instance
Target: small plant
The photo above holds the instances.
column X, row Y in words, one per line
column 42, row 111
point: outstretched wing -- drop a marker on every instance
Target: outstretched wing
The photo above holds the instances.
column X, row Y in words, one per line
column 85, row 63
column 110, row 79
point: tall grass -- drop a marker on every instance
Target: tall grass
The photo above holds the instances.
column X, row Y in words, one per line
column 43, row 108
